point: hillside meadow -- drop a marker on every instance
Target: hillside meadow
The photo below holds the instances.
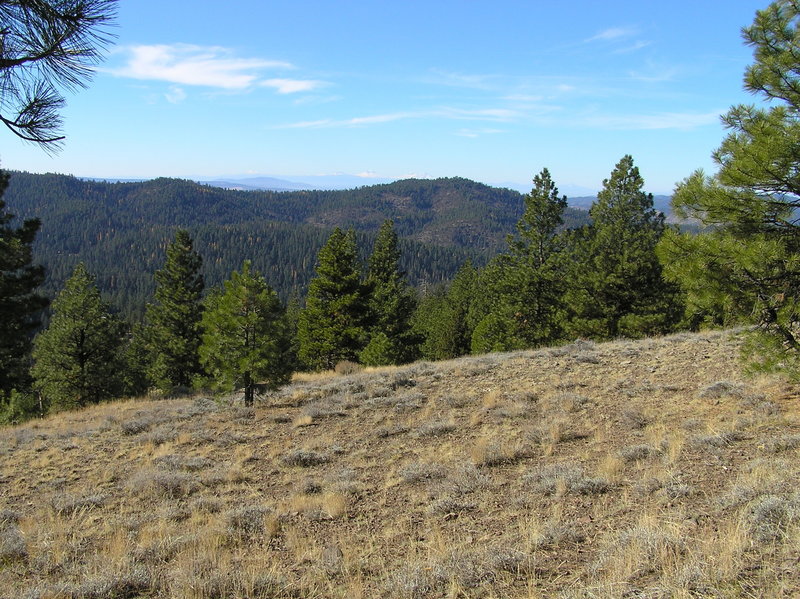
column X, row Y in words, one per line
column 627, row 469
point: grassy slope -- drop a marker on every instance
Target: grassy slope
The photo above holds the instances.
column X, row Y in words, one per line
column 627, row 469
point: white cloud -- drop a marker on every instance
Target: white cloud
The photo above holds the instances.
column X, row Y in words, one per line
column 475, row 133
column 183, row 64
column 487, row 114
column 664, row 120
column 175, row 95
column 292, row 86
column 612, row 33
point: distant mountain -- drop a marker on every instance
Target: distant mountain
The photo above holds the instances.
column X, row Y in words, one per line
column 660, row 203
column 120, row 230
column 310, row 182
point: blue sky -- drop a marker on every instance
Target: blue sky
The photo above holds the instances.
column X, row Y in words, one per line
column 491, row 91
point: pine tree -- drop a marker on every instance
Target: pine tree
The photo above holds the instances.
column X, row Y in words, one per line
column 20, row 305
column 616, row 286
column 333, row 325
column 173, row 332
column 525, row 286
column 77, row 358
column 442, row 318
column 392, row 303
column 245, row 340
column 745, row 267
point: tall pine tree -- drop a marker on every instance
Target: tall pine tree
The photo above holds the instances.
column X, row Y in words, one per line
column 616, row 286
column 77, row 358
column 745, row 267
column 20, row 305
column 173, row 320
column 526, row 285
column 333, row 325
column 392, row 303
column 246, row 338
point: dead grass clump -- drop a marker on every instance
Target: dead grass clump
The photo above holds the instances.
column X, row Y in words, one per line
column 487, row 453
column 69, row 504
column 436, row 428
column 447, row 506
column 417, row 472
column 634, row 418
column 346, row 367
column 636, row 453
column 305, row 458
column 135, row 581
column 384, row 432
column 561, row 479
column 769, row 518
column 783, row 443
column 12, row 545
column 178, row 462
column 465, row 568
column 463, row 480
column 722, row 389
column 642, row 550
column 162, row 484
column 250, row 522
column 558, row 534
column 718, row 440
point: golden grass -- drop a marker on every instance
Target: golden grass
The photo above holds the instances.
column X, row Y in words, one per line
column 647, row 468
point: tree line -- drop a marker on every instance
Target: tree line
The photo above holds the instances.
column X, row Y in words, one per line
column 601, row 280
column 624, row 274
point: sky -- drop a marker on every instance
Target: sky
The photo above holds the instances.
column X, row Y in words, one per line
column 491, row 91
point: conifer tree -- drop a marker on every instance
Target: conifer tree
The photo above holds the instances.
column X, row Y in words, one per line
column 333, row 325
column 442, row 318
column 77, row 358
column 525, row 286
column 392, row 303
column 20, row 305
column 745, row 266
column 173, row 332
column 245, row 340
column 616, row 286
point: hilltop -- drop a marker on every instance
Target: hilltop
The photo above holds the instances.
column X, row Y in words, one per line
column 626, row 469
column 119, row 230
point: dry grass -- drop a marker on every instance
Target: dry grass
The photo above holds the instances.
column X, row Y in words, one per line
column 626, row 469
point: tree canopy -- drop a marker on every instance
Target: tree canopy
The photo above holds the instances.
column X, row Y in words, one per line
column 47, row 45
column 746, row 265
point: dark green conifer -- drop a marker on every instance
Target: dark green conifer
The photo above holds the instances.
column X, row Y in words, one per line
column 173, row 320
column 245, row 336
column 392, row 303
column 745, row 266
column 20, row 305
column 333, row 326
column 616, row 286
column 77, row 358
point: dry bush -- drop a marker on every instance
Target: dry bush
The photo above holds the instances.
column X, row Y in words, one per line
column 162, row 484
column 304, row 458
column 12, row 544
column 346, row 367
column 560, row 479
column 486, row 453
column 416, row 472
column 635, row 453
column 436, row 428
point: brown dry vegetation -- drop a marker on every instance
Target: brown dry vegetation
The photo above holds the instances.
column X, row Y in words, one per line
column 627, row 469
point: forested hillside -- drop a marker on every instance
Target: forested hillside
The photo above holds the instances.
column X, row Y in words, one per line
column 120, row 230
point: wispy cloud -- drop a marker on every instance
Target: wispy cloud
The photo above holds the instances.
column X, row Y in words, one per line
column 613, row 33
column 206, row 66
column 175, row 95
column 663, row 120
column 475, row 133
column 292, row 86
column 483, row 114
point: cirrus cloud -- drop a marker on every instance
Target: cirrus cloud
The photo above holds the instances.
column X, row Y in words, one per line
column 205, row 66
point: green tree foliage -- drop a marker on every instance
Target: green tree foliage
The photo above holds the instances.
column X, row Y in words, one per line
column 616, row 286
column 118, row 229
column 20, row 305
column 442, row 317
column 333, row 326
column 745, row 267
column 245, row 336
column 77, row 358
column 392, row 303
column 173, row 320
column 525, row 286
column 47, row 44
